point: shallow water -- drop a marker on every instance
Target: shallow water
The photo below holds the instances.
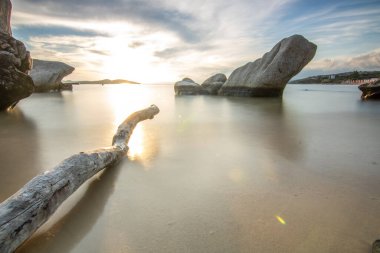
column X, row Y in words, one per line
column 208, row 174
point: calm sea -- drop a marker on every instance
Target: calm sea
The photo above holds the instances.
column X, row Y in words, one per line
column 208, row 174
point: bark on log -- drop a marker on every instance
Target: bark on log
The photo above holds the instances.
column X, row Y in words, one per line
column 24, row 212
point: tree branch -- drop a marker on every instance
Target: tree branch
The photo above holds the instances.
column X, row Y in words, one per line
column 24, row 212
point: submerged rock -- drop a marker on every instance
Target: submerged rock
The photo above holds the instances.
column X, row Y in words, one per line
column 15, row 63
column 48, row 75
column 212, row 84
column 187, row 87
column 370, row 90
column 268, row 76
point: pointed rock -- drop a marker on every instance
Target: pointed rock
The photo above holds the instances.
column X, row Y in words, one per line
column 268, row 76
column 5, row 16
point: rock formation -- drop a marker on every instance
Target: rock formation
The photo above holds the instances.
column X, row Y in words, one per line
column 370, row 90
column 48, row 75
column 212, row 85
column 268, row 76
column 15, row 62
column 187, row 87
column 5, row 16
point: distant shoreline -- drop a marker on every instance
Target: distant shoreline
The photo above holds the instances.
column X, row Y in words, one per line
column 346, row 78
column 101, row 82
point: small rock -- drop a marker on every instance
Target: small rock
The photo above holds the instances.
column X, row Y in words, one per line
column 370, row 90
column 376, row 246
column 212, row 84
column 186, row 87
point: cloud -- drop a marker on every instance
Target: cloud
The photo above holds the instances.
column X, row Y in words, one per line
column 368, row 61
column 169, row 52
column 27, row 31
column 140, row 12
column 99, row 52
column 336, row 26
column 136, row 44
column 192, row 37
column 174, row 52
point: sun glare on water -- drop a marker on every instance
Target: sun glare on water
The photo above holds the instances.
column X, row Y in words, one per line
column 124, row 100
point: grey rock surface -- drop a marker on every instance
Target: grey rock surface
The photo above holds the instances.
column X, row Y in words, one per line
column 187, row 87
column 212, row 84
column 268, row 76
column 48, row 75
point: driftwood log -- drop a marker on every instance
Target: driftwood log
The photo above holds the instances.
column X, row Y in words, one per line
column 24, row 212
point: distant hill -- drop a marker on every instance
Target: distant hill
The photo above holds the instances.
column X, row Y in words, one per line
column 104, row 81
column 339, row 78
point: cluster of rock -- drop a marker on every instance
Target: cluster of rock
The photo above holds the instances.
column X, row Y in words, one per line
column 208, row 87
column 265, row 77
column 370, row 90
column 15, row 62
column 212, row 84
column 48, row 75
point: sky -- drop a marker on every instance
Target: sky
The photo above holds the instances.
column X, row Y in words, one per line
column 159, row 41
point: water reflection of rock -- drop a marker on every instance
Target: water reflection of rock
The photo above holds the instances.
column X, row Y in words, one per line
column 270, row 119
column 263, row 121
column 19, row 151
column 65, row 234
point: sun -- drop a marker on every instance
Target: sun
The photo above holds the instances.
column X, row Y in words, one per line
column 122, row 57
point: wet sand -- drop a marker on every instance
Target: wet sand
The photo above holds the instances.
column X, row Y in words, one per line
column 208, row 174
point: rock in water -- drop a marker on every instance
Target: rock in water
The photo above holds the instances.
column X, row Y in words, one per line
column 15, row 62
column 14, row 84
column 212, row 84
column 268, row 76
column 186, row 87
column 370, row 90
column 48, row 75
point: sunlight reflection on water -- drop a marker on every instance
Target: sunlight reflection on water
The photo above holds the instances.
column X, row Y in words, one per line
column 136, row 143
column 208, row 174
column 124, row 100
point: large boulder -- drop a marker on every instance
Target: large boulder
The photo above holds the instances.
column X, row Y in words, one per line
column 187, row 87
column 48, row 75
column 212, row 84
column 268, row 76
column 370, row 90
column 15, row 63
